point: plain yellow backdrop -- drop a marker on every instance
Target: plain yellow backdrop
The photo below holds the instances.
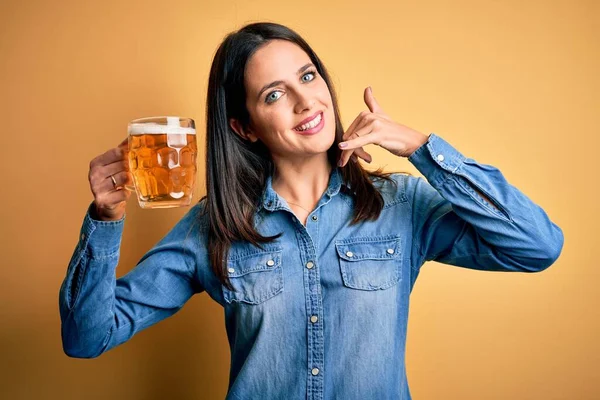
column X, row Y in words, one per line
column 514, row 84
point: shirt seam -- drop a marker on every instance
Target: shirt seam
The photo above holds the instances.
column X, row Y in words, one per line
column 413, row 244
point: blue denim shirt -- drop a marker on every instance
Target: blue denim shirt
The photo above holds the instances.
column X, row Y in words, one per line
column 321, row 313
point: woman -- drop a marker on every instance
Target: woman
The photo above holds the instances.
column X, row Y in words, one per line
column 312, row 257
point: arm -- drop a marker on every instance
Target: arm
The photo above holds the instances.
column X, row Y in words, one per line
column 98, row 311
column 468, row 215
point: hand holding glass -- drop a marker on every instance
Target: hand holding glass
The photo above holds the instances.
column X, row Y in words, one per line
column 162, row 160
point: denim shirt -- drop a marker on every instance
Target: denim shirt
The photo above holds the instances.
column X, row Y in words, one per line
column 321, row 312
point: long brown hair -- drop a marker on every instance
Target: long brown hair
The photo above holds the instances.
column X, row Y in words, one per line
column 236, row 169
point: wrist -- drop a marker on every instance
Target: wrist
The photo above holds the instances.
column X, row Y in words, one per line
column 419, row 142
column 98, row 215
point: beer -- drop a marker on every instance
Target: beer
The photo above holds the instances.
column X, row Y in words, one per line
column 162, row 160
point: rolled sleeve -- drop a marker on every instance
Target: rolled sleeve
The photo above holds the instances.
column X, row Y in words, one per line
column 468, row 215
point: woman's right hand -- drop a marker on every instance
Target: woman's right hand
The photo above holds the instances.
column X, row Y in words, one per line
column 110, row 201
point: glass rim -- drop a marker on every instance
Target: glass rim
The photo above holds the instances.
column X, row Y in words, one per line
column 166, row 119
column 161, row 125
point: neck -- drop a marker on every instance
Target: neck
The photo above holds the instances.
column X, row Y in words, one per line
column 302, row 182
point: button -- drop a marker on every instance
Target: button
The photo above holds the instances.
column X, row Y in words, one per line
column 315, row 218
column 83, row 236
column 390, row 251
column 349, row 253
column 231, row 270
column 440, row 157
column 270, row 263
column 314, row 319
column 309, row 265
column 269, row 203
column 315, row 371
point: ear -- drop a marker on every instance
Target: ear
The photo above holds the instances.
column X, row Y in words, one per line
column 244, row 134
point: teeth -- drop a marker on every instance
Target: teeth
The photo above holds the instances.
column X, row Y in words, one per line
column 311, row 124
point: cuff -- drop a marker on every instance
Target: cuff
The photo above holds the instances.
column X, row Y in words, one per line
column 100, row 238
column 436, row 159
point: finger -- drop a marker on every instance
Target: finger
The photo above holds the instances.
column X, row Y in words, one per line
column 346, row 154
column 117, row 166
column 112, row 199
column 358, row 121
column 124, row 143
column 360, row 138
column 121, row 178
column 360, row 152
column 98, row 174
column 109, row 157
column 371, row 102
column 365, row 118
column 344, row 157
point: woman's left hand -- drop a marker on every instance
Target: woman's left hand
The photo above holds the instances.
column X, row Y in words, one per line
column 377, row 128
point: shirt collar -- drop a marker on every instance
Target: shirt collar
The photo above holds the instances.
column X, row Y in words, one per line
column 271, row 200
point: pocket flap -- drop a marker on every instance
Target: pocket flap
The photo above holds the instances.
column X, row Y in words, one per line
column 255, row 262
column 369, row 248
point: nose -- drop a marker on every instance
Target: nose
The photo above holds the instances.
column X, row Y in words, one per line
column 305, row 101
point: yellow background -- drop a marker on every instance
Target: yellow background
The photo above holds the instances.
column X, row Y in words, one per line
column 514, row 84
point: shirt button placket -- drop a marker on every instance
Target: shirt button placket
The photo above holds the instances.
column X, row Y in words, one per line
column 315, row 349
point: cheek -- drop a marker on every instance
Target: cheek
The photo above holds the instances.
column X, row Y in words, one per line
column 271, row 124
column 277, row 121
column 325, row 93
column 279, row 118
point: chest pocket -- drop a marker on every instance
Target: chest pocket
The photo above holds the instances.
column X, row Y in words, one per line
column 255, row 277
column 370, row 263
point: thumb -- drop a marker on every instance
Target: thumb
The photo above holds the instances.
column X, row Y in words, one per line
column 124, row 143
column 371, row 102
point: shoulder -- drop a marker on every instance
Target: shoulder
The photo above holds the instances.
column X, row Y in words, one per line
column 198, row 214
column 193, row 224
column 395, row 189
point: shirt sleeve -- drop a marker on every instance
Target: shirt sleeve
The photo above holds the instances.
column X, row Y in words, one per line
column 98, row 311
column 454, row 224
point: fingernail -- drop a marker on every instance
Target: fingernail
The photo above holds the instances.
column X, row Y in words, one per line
column 340, row 163
column 370, row 89
column 343, row 145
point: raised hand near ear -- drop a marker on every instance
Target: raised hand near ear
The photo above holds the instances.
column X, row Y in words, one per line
column 374, row 126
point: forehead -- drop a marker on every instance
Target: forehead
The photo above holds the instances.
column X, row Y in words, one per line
column 277, row 60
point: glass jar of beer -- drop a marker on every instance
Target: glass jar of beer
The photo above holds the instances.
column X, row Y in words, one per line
column 162, row 160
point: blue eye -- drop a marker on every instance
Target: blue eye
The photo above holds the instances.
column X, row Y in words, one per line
column 309, row 73
column 271, row 99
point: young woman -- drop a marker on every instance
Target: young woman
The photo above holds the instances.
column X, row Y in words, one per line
column 312, row 257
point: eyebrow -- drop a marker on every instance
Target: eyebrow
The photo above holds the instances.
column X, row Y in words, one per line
column 275, row 83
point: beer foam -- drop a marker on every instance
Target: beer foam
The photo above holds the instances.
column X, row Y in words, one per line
column 156, row 129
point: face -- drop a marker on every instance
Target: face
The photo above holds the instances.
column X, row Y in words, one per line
column 283, row 89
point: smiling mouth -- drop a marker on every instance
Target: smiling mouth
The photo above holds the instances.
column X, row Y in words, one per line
column 311, row 124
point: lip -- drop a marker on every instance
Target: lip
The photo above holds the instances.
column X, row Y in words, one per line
column 316, row 129
column 304, row 121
